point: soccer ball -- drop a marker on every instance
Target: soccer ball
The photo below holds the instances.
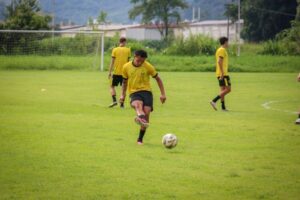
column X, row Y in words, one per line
column 169, row 140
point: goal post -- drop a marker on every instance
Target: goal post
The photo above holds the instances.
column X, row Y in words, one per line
column 86, row 48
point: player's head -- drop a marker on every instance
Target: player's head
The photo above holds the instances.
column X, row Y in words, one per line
column 139, row 57
column 224, row 41
column 122, row 41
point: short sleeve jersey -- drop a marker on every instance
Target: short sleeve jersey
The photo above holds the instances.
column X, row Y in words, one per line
column 121, row 55
column 138, row 77
column 221, row 52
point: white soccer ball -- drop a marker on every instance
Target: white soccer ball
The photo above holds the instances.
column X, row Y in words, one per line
column 169, row 140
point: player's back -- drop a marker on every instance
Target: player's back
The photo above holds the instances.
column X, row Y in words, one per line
column 121, row 55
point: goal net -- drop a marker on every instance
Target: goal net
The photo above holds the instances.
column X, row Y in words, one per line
column 30, row 49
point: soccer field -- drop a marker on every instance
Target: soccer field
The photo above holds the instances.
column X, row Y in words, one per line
column 60, row 141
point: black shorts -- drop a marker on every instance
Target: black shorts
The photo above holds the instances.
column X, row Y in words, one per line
column 117, row 80
column 225, row 81
column 145, row 96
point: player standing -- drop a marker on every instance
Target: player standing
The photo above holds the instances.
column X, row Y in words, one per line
column 136, row 76
column 298, row 120
column 222, row 73
column 120, row 55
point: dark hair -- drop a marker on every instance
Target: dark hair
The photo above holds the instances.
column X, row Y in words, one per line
column 122, row 39
column 141, row 53
column 223, row 40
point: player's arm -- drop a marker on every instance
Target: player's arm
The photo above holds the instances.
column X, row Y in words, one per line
column 112, row 62
column 220, row 64
column 124, row 89
column 161, row 88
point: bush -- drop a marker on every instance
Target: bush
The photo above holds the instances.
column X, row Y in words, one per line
column 33, row 44
column 273, row 48
column 286, row 42
column 192, row 46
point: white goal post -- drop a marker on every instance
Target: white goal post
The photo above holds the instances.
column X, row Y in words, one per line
column 51, row 42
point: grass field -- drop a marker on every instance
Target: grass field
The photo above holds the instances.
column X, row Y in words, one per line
column 246, row 63
column 60, row 141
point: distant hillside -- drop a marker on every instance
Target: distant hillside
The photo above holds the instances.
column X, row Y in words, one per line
column 78, row 11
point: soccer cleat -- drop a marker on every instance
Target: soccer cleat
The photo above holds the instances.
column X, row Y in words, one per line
column 122, row 105
column 214, row 105
column 297, row 121
column 140, row 142
column 141, row 121
column 113, row 104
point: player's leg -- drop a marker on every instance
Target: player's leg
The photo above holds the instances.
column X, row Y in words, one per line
column 147, row 111
column 113, row 92
column 298, row 120
column 120, row 81
column 213, row 103
column 141, row 117
column 225, row 89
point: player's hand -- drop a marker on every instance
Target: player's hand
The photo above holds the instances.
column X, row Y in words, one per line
column 298, row 77
column 109, row 75
column 122, row 99
column 221, row 77
column 163, row 98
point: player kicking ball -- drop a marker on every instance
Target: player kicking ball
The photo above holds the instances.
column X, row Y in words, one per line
column 222, row 74
column 136, row 77
column 298, row 120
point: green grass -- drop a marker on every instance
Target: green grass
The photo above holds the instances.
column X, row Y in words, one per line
column 245, row 63
column 35, row 62
column 64, row 143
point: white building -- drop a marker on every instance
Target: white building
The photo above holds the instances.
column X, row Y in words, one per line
column 145, row 32
column 211, row 28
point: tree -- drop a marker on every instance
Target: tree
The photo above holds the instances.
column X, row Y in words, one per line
column 231, row 12
column 263, row 19
column 25, row 15
column 298, row 12
column 102, row 17
column 165, row 11
column 90, row 21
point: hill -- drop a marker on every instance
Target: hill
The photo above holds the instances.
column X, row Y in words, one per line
column 79, row 11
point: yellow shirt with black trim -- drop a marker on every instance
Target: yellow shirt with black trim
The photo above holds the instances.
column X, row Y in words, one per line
column 138, row 77
column 221, row 52
column 121, row 55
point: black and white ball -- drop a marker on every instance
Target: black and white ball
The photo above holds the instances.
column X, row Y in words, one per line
column 169, row 140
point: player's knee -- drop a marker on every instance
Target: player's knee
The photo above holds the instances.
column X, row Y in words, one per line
column 137, row 105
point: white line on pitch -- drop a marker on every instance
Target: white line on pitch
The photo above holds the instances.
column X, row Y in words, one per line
column 267, row 105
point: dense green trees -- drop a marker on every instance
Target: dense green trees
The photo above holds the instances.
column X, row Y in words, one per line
column 263, row 19
column 25, row 14
column 287, row 41
column 163, row 11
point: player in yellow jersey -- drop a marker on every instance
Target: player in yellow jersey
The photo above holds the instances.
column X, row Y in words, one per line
column 120, row 55
column 136, row 80
column 222, row 73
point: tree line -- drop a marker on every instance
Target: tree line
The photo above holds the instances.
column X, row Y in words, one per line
column 263, row 19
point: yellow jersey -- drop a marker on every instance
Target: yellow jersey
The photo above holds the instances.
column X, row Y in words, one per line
column 221, row 52
column 138, row 77
column 121, row 55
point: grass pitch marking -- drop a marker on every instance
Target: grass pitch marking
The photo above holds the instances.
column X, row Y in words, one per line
column 267, row 106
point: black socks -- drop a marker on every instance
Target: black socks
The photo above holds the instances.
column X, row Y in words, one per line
column 223, row 105
column 114, row 98
column 216, row 99
column 141, row 135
